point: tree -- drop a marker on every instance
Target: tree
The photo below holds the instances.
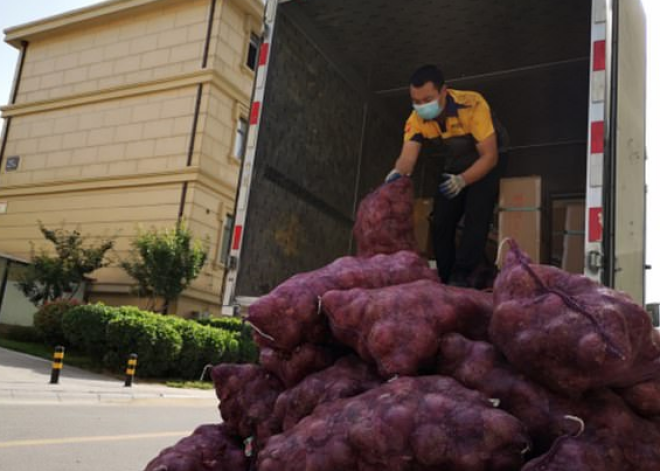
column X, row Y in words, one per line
column 164, row 263
column 51, row 277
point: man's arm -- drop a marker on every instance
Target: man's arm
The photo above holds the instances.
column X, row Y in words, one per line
column 485, row 163
column 405, row 164
column 412, row 144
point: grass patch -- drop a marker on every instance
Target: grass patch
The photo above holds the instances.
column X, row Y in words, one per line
column 40, row 350
column 190, row 384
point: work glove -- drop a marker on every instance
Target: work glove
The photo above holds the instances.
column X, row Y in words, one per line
column 392, row 176
column 452, row 185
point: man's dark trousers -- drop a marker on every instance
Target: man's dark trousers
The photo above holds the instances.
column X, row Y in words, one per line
column 476, row 203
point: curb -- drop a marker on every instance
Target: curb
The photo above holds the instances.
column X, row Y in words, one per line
column 11, row 396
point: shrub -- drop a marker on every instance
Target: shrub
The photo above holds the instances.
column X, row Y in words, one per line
column 249, row 352
column 203, row 345
column 84, row 328
column 157, row 343
column 247, row 349
column 232, row 324
column 166, row 345
column 48, row 321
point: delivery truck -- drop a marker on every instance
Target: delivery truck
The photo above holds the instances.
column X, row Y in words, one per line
column 331, row 96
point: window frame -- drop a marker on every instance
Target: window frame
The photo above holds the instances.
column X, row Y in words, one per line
column 252, row 29
column 240, row 113
column 225, row 233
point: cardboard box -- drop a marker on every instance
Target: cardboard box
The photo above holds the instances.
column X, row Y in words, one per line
column 575, row 217
column 525, row 228
column 520, row 192
column 573, row 254
column 520, row 214
column 422, row 223
column 573, row 259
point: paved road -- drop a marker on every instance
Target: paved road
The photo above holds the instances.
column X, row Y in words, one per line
column 89, row 422
column 95, row 437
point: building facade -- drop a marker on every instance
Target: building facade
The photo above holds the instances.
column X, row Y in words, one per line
column 130, row 114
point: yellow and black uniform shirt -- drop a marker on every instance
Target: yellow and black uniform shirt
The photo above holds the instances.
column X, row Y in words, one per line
column 465, row 121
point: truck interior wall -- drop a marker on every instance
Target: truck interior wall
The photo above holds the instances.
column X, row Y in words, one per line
column 303, row 190
column 383, row 140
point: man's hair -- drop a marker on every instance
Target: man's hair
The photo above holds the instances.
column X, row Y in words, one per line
column 426, row 74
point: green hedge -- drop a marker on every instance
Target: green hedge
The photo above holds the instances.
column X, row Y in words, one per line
column 157, row 343
column 85, row 328
column 203, row 345
column 232, row 324
column 167, row 346
column 248, row 350
column 48, row 321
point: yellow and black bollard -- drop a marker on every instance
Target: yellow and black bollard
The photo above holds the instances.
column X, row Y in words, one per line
column 130, row 369
column 58, row 361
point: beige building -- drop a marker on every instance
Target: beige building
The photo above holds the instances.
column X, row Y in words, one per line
column 128, row 114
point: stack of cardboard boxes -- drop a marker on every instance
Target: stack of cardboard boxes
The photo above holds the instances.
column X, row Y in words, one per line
column 520, row 214
column 520, row 217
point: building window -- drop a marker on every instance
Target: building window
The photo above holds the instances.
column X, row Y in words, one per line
column 240, row 138
column 253, row 51
column 223, row 251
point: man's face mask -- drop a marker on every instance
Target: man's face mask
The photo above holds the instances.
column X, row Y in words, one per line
column 429, row 111
column 426, row 100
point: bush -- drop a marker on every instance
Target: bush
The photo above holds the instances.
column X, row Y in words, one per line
column 248, row 351
column 203, row 345
column 48, row 321
column 157, row 343
column 84, row 328
column 232, row 324
column 166, row 345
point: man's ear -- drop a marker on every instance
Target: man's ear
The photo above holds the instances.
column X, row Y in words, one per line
column 443, row 95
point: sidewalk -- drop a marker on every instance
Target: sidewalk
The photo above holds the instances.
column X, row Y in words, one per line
column 24, row 378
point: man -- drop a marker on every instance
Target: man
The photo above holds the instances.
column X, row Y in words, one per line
column 461, row 124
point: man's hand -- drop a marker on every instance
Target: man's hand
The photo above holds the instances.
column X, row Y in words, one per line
column 452, row 185
column 392, row 176
column 405, row 164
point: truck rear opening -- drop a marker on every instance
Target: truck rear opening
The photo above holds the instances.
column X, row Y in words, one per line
column 329, row 120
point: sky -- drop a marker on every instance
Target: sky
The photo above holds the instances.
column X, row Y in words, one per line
column 13, row 13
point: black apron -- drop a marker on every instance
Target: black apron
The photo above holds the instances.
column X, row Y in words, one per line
column 458, row 153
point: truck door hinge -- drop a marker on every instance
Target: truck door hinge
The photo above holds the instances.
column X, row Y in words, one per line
column 594, row 260
column 232, row 262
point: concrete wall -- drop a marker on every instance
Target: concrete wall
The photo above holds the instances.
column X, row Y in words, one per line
column 231, row 45
column 127, row 136
column 151, row 44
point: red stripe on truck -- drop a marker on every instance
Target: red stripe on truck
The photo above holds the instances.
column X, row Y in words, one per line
column 597, row 137
column 263, row 54
column 238, row 231
column 254, row 114
column 599, row 55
